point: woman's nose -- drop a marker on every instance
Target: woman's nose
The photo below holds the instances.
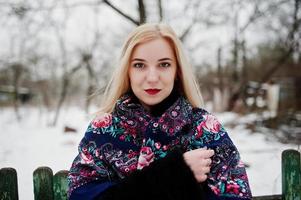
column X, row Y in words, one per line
column 152, row 75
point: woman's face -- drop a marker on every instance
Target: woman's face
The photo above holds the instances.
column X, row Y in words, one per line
column 152, row 71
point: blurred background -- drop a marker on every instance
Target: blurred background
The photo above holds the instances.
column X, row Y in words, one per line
column 57, row 56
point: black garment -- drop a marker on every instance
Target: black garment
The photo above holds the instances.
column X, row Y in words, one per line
column 169, row 178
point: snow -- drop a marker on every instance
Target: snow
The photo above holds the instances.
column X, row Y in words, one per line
column 260, row 151
column 32, row 143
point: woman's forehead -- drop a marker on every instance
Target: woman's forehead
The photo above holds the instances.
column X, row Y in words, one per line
column 158, row 48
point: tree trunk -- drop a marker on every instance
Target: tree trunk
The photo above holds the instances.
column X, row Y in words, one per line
column 142, row 13
column 17, row 70
column 64, row 91
column 160, row 10
column 92, row 82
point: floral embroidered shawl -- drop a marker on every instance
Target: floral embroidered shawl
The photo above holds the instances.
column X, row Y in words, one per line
column 129, row 139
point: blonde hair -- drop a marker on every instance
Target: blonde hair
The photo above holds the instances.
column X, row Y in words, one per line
column 120, row 84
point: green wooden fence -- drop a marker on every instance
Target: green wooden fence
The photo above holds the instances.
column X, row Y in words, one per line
column 54, row 187
column 46, row 185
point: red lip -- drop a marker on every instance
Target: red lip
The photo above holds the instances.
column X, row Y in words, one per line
column 152, row 91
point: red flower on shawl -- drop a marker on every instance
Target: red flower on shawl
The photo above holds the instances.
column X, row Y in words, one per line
column 122, row 137
column 102, row 121
column 210, row 124
column 232, row 187
column 86, row 157
column 199, row 131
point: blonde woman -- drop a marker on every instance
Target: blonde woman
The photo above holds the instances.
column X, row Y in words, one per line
column 152, row 139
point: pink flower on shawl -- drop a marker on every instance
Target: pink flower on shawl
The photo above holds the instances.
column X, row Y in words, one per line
column 210, row 124
column 232, row 187
column 86, row 157
column 215, row 189
column 157, row 145
column 122, row 137
column 146, row 157
column 102, row 121
column 133, row 167
column 199, row 130
column 132, row 154
column 88, row 173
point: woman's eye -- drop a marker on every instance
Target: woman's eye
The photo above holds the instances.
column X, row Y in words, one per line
column 138, row 65
column 165, row 64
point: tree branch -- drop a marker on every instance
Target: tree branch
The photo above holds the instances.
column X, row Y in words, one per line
column 121, row 12
column 257, row 14
column 45, row 8
column 191, row 25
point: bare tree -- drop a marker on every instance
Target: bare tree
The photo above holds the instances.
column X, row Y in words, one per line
column 290, row 45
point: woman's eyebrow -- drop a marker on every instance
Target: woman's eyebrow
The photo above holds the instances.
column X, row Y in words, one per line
column 140, row 59
column 137, row 59
column 163, row 59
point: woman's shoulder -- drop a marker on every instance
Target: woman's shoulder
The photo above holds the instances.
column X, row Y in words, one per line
column 99, row 125
column 199, row 112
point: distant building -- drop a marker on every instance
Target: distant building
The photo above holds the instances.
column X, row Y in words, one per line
column 8, row 93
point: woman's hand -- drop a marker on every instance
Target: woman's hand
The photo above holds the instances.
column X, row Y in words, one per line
column 199, row 161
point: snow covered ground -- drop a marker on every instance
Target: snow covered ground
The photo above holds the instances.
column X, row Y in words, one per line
column 31, row 143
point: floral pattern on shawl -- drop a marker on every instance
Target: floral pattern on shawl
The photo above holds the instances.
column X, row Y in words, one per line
column 130, row 139
column 227, row 176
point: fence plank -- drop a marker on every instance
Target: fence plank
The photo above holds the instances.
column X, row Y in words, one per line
column 291, row 176
column 43, row 183
column 60, row 185
column 8, row 184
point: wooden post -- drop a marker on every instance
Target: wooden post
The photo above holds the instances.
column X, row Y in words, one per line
column 60, row 185
column 291, row 176
column 8, row 184
column 43, row 183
